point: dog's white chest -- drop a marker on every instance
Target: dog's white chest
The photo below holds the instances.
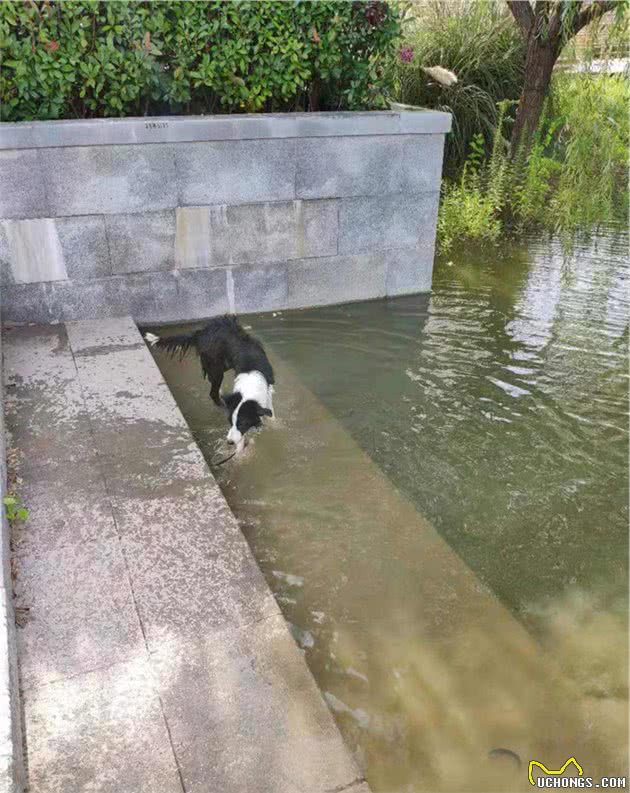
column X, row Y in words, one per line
column 253, row 385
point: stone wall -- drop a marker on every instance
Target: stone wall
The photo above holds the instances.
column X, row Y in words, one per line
column 183, row 218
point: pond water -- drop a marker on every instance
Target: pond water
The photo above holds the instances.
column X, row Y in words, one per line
column 441, row 509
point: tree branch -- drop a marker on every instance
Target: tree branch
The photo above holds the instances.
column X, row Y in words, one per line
column 593, row 11
column 523, row 14
column 563, row 11
column 541, row 9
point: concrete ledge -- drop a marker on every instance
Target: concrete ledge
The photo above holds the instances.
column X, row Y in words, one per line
column 152, row 634
column 176, row 129
column 11, row 761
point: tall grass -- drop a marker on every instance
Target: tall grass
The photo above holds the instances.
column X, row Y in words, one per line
column 591, row 141
column 574, row 177
column 480, row 43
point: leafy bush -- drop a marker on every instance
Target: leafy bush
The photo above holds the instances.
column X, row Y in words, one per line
column 588, row 119
column 480, row 43
column 466, row 213
column 84, row 59
column 572, row 179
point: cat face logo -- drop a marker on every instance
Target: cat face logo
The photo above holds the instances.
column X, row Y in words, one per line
column 548, row 771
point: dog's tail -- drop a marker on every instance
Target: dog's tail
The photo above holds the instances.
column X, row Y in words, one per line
column 173, row 344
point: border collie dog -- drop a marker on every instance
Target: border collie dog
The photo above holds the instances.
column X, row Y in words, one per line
column 221, row 345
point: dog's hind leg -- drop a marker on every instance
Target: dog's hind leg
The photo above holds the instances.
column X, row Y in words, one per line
column 215, row 392
column 216, row 380
column 214, row 373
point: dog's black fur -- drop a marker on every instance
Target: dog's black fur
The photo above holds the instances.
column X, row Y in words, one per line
column 221, row 345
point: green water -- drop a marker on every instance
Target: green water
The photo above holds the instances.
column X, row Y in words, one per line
column 496, row 409
column 498, row 404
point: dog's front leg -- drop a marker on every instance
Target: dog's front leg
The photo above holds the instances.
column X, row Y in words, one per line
column 269, row 397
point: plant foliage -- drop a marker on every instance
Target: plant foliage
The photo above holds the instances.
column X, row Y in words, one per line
column 480, row 43
column 14, row 509
column 78, row 59
column 572, row 178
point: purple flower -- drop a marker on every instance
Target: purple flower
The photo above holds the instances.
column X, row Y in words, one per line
column 406, row 54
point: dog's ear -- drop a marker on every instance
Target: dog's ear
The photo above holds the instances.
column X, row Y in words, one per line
column 264, row 411
column 231, row 401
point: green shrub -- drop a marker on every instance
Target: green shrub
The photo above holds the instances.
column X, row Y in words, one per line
column 572, row 179
column 480, row 43
column 575, row 175
column 84, row 59
column 590, row 138
column 466, row 212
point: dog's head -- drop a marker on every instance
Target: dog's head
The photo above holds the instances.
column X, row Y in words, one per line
column 243, row 415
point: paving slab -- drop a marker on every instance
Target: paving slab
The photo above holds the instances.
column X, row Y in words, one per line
column 157, row 471
column 37, row 355
column 78, row 608
column 246, row 716
column 46, row 420
column 191, row 567
column 89, row 337
column 130, row 406
column 67, row 505
column 102, row 732
column 153, row 656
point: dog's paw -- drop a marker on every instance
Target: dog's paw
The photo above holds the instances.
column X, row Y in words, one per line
column 151, row 339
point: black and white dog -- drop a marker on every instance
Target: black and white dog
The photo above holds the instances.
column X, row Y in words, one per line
column 222, row 345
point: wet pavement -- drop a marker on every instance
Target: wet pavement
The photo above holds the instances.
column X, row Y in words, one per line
column 152, row 654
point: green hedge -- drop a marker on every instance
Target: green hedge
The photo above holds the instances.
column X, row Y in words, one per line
column 91, row 59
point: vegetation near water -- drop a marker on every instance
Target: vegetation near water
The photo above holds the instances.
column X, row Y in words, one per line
column 481, row 45
column 571, row 175
column 572, row 179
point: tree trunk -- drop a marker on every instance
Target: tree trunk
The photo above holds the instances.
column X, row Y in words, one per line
column 313, row 95
column 541, row 57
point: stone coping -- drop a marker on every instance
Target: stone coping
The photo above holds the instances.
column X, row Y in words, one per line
column 180, row 129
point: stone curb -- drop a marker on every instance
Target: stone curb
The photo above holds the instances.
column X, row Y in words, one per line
column 11, row 760
column 180, row 129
